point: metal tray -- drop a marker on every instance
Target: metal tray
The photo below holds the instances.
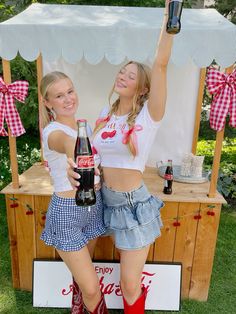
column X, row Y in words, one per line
column 178, row 178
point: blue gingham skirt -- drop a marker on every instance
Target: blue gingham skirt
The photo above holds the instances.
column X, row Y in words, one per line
column 70, row 227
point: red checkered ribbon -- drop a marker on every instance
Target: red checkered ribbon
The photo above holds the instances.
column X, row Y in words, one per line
column 17, row 90
column 223, row 87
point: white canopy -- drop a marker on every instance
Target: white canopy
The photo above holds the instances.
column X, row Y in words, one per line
column 116, row 33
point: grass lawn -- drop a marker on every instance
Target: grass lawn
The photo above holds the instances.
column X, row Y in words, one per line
column 222, row 294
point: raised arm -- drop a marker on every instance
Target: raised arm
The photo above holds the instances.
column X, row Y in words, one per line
column 158, row 89
column 61, row 143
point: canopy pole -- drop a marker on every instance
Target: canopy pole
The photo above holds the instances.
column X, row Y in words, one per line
column 39, row 66
column 12, row 140
column 217, row 155
column 198, row 109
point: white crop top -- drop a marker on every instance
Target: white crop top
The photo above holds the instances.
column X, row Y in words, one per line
column 115, row 154
column 57, row 162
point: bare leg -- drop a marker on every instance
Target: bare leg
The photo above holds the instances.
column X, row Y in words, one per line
column 91, row 246
column 81, row 267
column 131, row 267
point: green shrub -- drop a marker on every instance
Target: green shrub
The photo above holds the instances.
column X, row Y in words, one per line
column 28, row 152
column 226, row 184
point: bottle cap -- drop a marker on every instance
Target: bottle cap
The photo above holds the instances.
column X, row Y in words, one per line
column 81, row 120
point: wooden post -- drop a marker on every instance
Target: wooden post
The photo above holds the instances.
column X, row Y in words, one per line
column 39, row 65
column 198, row 110
column 12, row 140
column 217, row 155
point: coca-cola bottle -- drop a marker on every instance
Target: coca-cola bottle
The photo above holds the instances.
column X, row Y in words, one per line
column 168, row 177
column 85, row 194
column 173, row 25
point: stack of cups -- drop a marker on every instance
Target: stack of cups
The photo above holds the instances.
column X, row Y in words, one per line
column 186, row 165
column 197, row 164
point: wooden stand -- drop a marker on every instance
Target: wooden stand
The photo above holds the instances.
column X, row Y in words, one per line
column 192, row 242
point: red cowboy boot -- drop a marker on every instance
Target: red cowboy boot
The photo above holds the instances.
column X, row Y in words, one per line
column 101, row 308
column 77, row 300
column 138, row 307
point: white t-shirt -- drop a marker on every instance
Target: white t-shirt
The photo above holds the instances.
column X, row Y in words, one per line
column 115, row 154
column 57, row 162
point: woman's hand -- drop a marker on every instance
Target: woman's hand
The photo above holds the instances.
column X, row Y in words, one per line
column 74, row 176
column 97, row 180
column 71, row 174
column 97, row 186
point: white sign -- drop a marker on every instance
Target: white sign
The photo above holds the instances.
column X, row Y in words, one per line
column 52, row 285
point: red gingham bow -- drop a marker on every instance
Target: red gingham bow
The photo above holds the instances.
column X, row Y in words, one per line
column 223, row 86
column 19, row 91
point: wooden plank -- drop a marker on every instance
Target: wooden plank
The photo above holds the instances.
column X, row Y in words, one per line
column 13, row 240
column 39, row 66
column 41, row 206
column 57, row 256
column 12, row 140
column 204, row 253
column 198, row 109
column 25, row 226
column 217, row 155
column 150, row 256
column 164, row 245
column 36, row 181
column 116, row 254
column 185, row 242
column 182, row 192
column 104, row 249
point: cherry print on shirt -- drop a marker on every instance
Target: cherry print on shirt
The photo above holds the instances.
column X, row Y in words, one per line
column 105, row 135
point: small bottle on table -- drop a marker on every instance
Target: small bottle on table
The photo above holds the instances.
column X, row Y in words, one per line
column 168, row 178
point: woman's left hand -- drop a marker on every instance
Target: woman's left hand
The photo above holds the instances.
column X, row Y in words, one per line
column 71, row 174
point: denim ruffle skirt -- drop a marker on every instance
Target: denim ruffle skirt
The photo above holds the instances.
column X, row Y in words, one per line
column 133, row 218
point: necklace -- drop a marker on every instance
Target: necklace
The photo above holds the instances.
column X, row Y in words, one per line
column 120, row 117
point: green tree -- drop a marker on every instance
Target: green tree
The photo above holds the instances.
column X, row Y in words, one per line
column 6, row 11
column 227, row 8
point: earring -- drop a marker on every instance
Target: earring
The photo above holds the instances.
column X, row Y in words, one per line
column 51, row 114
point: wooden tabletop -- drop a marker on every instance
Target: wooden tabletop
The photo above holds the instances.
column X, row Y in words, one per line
column 36, row 181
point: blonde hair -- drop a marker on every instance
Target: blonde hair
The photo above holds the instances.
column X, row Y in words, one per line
column 45, row 83
column 143, row 83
